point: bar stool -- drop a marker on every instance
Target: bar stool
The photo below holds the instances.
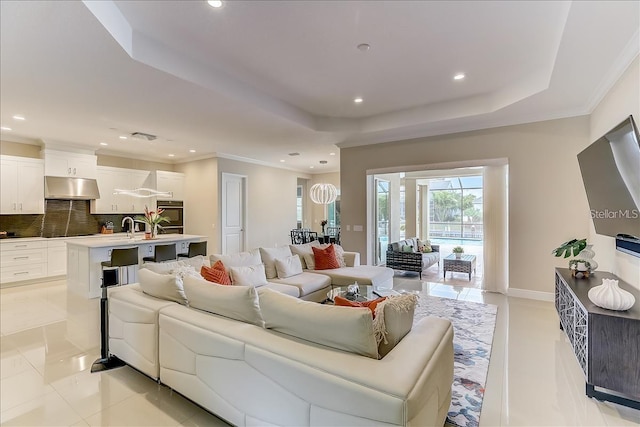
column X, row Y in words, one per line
column 162, row 253
column 195, row 249
column 111, row 277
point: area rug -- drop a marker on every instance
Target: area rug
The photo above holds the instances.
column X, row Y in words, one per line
column 473, row 325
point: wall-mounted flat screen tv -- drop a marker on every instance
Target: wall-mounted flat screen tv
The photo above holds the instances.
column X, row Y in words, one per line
column 610, row 170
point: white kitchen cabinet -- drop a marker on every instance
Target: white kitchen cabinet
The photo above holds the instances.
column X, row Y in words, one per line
column 110, row 179
column 172, row 182
column 21, row 185
column 56, row 257
column 74, row 165
column 22, row 260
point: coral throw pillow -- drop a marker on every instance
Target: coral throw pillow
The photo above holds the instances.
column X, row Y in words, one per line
column 348, row 303
column 325, row 258
column 217, row 273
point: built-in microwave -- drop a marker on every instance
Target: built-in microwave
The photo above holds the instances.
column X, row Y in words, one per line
column 174, row 210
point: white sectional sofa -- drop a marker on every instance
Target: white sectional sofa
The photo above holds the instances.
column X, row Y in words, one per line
column 250, row 374
column 264, row 356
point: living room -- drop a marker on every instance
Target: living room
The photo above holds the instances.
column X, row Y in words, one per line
column 533, row 377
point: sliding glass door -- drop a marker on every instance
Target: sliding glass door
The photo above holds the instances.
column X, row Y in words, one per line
column 382, row 220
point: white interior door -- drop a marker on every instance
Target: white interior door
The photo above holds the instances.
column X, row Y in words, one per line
column 234, row 190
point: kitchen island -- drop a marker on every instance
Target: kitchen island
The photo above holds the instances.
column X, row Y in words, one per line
column 84, row 255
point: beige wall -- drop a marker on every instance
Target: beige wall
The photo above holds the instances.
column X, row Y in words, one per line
column 132, row 163
column 271, row 201
column 621, row 101
column 8, row 148
column 547, row 204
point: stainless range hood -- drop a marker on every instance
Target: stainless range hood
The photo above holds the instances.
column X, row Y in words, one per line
column 59, row 187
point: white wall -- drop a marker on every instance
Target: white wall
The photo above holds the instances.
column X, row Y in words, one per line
column 621, row 101
column 547, row 204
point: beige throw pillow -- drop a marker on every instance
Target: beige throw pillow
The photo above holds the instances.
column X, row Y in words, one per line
column 164, row 286
column 236, row 302
column 269, row 256
column 394, row 318
column 248, row 275
column 344, row 328
column 302, row 250
column 289, row 266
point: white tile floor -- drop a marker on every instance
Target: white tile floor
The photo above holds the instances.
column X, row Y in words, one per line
column 49, row 338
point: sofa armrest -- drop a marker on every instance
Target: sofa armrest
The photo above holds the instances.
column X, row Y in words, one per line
column 352, row 259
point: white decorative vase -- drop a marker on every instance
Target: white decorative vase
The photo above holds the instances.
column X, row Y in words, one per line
column 587, row 254
column 610, row 296
column 458, row 255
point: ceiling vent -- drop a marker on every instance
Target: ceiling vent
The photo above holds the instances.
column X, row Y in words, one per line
column 294, row 154
column 142, row 135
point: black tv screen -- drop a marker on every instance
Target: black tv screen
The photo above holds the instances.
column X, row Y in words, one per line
column 610, row 170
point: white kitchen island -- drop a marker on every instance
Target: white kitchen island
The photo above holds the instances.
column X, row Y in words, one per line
column 84, row 255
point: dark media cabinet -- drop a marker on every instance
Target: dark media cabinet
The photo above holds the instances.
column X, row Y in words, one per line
column 605, row 342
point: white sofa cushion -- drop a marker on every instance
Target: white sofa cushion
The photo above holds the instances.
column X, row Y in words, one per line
column 363, row 274
column 269, row 257
column 303, row 249
column 238, row 260
column 236, row 302
column 287, row 267
column 164, row 286
column 168, row 267
column 248, row 275
column 343, row 328
column 306, row 282
column 294, row 291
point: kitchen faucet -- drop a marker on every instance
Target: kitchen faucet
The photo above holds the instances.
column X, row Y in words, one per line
column 131, row 228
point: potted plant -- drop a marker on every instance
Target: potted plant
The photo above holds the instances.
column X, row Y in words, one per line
column 458, row 250
column 570, row 247
column 152, row 221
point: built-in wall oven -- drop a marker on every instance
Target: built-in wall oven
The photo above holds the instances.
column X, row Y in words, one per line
column 174, row 210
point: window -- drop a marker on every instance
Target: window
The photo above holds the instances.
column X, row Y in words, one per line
column 455, row 208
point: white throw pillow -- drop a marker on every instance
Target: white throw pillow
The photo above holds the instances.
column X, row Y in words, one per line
column 269, row 256
column 196, row 262
column 236, row 302
column 303, row 250
column 289, row 266
column 164, row 286
column 185, row 270
column 238, row 260
column 344, row 328
column 248, row 275
column 163, row 267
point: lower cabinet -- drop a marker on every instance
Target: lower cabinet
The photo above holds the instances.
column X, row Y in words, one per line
column 22, row 260
column 56, row 257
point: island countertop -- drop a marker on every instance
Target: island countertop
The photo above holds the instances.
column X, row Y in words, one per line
column 121, row 239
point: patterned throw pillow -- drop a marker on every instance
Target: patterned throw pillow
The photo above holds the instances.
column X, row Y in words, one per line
column 407, row 248
column 325, row 259
column 216, row 274
column 371, row 305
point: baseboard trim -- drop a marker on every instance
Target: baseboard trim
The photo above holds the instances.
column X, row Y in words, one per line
column 537, row 295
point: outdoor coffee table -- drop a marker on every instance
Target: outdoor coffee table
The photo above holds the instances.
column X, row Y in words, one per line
column 464, row 264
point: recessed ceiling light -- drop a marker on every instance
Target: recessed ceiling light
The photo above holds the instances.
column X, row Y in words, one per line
column 16, row 117
column 332, row 154
column 310, row 167
column 281, row 160
column 358, row 100
column 364, row 47
column 5, row 128
column 122, row 137
column 458, row 76
column 215, row 3
column 104, row 144
column 172, row 155
column 192, row 151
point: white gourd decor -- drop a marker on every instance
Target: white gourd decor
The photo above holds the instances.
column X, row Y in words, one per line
column 610, row 296
column 587, row 254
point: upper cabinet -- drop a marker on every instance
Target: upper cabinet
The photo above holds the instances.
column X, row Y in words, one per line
column 21, row 185
column 111, row 179
column 171, row 182
column 74, row 165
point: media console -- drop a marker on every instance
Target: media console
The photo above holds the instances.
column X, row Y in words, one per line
column 605, row 342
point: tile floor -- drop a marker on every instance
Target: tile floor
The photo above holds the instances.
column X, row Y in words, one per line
column 49, row 338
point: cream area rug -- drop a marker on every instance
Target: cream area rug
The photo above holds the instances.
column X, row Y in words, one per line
column 473, row 324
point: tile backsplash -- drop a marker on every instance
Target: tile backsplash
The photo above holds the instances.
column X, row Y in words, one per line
column 62, row 218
